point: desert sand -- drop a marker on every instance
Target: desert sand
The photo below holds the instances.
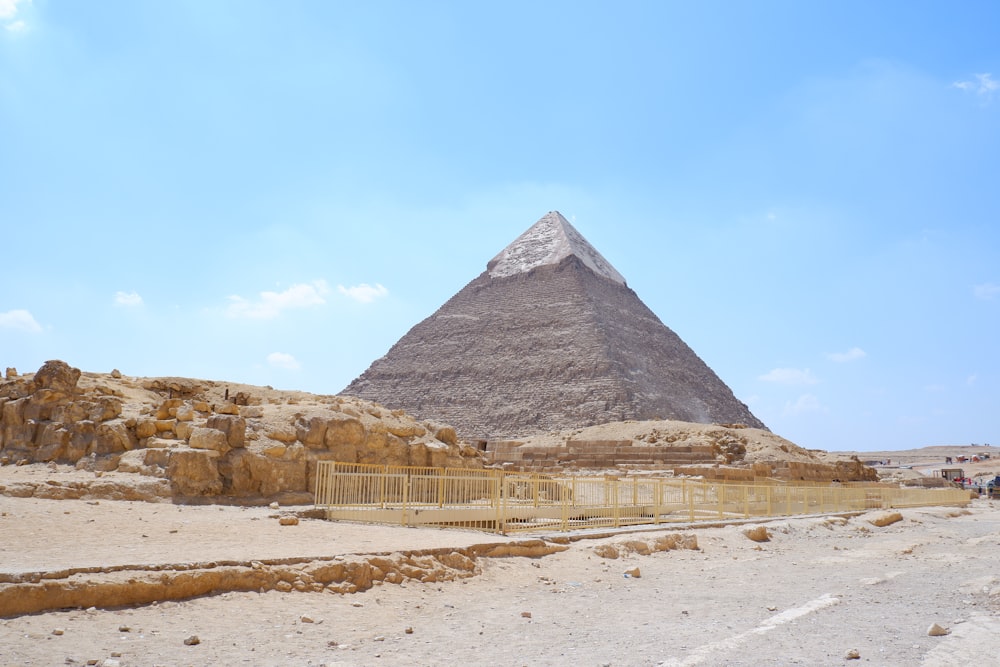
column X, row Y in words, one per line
column 819, row 588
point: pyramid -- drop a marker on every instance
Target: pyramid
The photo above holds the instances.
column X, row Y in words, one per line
column 549, row 337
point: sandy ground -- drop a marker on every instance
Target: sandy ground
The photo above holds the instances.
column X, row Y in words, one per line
column 819, row 588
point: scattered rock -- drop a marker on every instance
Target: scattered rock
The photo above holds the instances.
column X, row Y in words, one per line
column 885, row 519
column 306, row 619
column 937, row 631
column 606, row 551
column 758, row 534
column 525, row 614
column 289, row 521
column 408, row 631
column 192, row 641
column 852, row 654
column 634, row 573
column 58, row 631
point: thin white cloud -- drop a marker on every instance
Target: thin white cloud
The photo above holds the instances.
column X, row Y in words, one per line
column 793, row 376
column 272, row 304
column 283, row 360
column 363, row 293
column 8, row 8
column 804, row 404
column 128, row 299
column 852, row 354
column 19, row 319
column 983, row 85
column 8, row 12
column 986, row 291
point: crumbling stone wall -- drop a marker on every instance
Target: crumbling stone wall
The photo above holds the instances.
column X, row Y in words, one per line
column 206, row 448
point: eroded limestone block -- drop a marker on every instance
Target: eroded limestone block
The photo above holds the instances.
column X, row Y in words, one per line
column 57, row 375
column 209, row 438
column 194, row 472
column 234, row 426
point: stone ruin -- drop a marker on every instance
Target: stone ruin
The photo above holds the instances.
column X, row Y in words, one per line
column 197, row 440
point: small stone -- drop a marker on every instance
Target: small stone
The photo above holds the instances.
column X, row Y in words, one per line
column 937, row 631
column 116, row 374
column 357, row 604
column 380, row 638
column 289, row 521
column 124, row 628
column 525, row 614
column 772, row 608
column 274, row 506
column 853, row 654
column 634, row 573
column 306, row 619
column 58, row 631
column 192, row 641
column 408, row 631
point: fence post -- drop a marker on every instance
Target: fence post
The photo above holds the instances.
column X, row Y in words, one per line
column 382, row 478
column 405, row 516
column 614, row 486
column 657, row 499
column 564, row 503
column 688, row 491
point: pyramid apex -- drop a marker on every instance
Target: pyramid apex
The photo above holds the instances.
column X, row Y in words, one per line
column 548, row 242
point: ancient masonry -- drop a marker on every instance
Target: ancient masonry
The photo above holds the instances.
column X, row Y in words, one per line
column 549, row 337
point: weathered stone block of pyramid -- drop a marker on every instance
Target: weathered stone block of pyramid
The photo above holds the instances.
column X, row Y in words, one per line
column 548, row 337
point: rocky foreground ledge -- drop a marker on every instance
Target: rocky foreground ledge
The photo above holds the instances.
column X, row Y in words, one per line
column 199, row 440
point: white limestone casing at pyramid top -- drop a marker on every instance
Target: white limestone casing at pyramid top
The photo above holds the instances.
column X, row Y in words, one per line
column 548, row 242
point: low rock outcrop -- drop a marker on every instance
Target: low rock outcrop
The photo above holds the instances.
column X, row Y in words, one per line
column 208, row 439
column 732, row 452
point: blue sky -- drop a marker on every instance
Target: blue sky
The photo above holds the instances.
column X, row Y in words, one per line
column 274, row 193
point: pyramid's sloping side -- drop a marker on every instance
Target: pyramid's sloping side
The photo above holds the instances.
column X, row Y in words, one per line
column 555, row 348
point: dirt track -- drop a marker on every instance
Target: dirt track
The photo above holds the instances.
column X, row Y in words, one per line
column 818, row 588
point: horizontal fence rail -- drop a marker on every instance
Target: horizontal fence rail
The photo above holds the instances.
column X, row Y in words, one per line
column 502, row 502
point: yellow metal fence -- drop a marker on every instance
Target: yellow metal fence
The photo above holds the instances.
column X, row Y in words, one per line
column 502, row 502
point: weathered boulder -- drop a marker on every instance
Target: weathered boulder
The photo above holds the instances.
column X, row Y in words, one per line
column 58, row 376
column 234, row 426
column 194, row 472
column 112, row 438
column 209, row 438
